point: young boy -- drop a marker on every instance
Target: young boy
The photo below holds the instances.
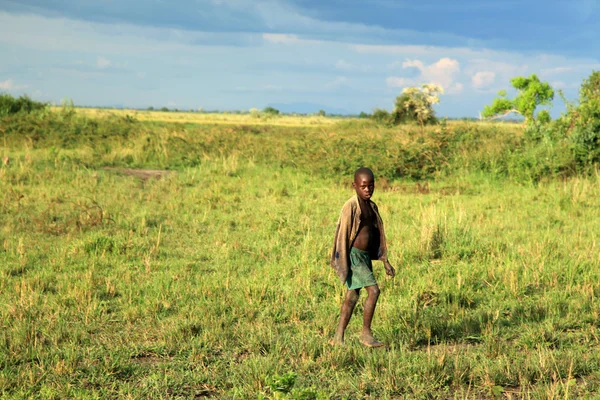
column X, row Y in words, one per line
column 359, row 238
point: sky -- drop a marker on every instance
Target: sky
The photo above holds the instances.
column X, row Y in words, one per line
column 343, row 56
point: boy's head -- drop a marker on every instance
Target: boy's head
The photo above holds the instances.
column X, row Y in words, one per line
column 364, row 183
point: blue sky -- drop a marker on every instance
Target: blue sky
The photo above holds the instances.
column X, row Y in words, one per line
column 339, row 55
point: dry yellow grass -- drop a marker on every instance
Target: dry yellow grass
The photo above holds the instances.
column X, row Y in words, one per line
column 248, row 119
column 211, row 118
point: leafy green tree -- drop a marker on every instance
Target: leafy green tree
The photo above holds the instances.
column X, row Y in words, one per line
column 271, row 111
column 321, row 113
column 531, row 93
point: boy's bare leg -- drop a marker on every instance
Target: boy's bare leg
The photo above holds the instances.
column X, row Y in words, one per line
column 366, row 337
column 345, row 314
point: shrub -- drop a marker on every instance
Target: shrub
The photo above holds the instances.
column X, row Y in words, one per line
column 382, row 117
column 590, row 88
column 255, row 113
column 271, row 111
column 10, row 105
column 544, row 117
column 585, row 137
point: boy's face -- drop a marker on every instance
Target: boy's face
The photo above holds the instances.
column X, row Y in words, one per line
column 364, row 184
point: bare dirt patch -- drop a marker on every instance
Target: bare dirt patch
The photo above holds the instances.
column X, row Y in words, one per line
column 143, row 174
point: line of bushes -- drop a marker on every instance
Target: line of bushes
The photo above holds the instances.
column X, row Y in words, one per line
column 11, row 105
column 565, row 147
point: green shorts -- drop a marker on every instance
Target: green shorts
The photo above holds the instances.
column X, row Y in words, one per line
column 361, row 270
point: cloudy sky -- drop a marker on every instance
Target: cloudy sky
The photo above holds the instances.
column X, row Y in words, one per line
column 341, row 55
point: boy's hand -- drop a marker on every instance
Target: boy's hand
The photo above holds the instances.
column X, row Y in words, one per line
column 389, row 270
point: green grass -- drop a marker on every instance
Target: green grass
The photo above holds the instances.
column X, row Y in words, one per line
column 214, row 280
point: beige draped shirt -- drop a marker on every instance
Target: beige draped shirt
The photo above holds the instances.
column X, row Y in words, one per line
column 347, row 229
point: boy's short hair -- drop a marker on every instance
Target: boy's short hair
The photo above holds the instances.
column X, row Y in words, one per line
column 363, row 171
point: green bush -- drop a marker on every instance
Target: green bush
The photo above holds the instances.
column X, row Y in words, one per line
column 543, row 117
column 382, row 117
column 11, row 105
column 585, row 137
column 271, row 111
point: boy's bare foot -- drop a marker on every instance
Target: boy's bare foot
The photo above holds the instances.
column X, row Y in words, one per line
column 337, row 341
column 370, row 341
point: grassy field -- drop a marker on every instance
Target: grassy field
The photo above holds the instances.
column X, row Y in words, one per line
column 213, row 281
column 210, row 118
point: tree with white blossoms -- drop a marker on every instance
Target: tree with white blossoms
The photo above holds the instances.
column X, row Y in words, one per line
column 416, row 104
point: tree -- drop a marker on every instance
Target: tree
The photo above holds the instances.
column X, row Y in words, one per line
column 271, row 111
column 531, row 93
column 321, row 113
column 416, row 104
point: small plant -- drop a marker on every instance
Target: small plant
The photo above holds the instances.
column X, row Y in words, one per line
column 282, row 383
column 255, row 113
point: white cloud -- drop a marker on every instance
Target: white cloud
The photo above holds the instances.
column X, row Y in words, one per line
column 10, row 85
column 417, row 50
column 443, row 73
column 103, row 63
column 483, row 79
column 287, row 39
column 503, row 71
